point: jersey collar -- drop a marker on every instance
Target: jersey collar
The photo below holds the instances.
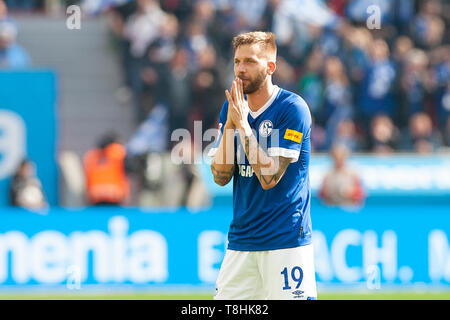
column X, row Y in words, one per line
column 266, row 105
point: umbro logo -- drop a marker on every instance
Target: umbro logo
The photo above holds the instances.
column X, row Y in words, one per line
column 298, row 293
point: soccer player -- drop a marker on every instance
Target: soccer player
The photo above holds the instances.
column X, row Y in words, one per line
column 264, row 143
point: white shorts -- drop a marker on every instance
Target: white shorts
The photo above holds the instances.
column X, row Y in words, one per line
column 283, row 274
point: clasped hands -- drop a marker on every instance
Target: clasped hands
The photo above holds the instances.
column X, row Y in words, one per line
column 238, row 108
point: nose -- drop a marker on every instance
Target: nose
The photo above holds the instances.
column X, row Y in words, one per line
column 240, row 69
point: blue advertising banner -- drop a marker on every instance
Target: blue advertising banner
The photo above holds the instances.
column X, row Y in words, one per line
column 386, row 179
column 377, row 247
column 28, row 127
column 398, row 174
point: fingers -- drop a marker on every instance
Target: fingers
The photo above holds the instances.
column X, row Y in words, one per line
column 232, row 88
column 236, row 92
column 233, row 91
column 231, row 107
column 231, row 102
column 241, row 89
column 229, row 98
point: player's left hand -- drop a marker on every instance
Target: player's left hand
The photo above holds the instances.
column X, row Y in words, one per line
column 237, row 105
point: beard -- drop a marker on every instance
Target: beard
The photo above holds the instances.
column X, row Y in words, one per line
column 255, row 83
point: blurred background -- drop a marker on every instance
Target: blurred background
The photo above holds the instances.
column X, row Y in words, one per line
column 91, row 93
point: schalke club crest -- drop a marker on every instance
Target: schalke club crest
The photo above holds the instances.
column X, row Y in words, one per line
column 265, row 128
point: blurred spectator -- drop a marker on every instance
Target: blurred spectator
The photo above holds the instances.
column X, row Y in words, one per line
column 444, row 105
column 378, row 83
column 427, row 27
column 318, row 137
column 180, row 94
column 414, row 81
column 441, row 78
column 293, row 19
column 140, row 30
column 192, row 193
column 266, row 21
column 337, row 96
column 144, row 26
column 12, row 55
column 21, row 4
column 92, row 7
column 106, row 181
column 250, row 11
column 285, row 75
column 447, row 132
column 4, row 17
column 384, row 135
column 347, row 135
column 358, row 58
column 345, row 71
column 145, row 150
column 195, row 40
column 3, row 12
column 402, row 47
column 165, row 183
column 341, row 185
column 338, row 6
column 152, row 133
column 356, row 10
column 204, row 12
column 155, row 73
column 310, row 85
column 207, row 86
column 422, row 137
column 26, row 189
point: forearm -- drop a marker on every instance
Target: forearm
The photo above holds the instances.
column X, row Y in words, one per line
column 222, row 166
column 269, row 170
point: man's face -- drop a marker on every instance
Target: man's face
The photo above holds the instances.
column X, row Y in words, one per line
column 251, row 66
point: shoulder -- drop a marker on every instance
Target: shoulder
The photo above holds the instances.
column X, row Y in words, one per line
column 293, row 105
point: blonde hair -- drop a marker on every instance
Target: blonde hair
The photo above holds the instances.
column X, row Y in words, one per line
column 266, row 40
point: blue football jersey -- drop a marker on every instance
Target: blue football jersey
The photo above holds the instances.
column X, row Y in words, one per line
column 279, row 217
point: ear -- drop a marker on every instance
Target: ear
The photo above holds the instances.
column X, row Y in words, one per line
column 272, row 66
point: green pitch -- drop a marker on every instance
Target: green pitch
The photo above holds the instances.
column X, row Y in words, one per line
column 203, row 296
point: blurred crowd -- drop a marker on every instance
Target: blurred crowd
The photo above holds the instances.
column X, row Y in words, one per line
column 374, row 90
column 375, row 74
column 12, row 54
column 375, row 86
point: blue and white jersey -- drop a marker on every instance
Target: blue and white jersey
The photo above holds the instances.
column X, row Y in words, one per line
column 277, row 218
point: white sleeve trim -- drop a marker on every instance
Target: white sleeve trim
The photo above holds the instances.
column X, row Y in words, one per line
column 283, row 152
column 212, row 152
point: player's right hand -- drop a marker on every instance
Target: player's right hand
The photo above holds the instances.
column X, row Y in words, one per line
column 231, row 101
column 237, row 106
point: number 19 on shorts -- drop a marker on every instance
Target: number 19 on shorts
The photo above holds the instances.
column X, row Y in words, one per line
column 292, row 277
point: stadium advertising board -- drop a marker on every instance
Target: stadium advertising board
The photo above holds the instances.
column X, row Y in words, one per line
column 383, row 175
column 73, row 249
column 28, row 127
column 393, row 174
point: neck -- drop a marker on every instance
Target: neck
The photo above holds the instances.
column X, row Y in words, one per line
column 259, row 98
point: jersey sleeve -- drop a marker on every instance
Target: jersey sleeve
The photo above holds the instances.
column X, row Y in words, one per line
column 222, row 121
column 293, row 126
